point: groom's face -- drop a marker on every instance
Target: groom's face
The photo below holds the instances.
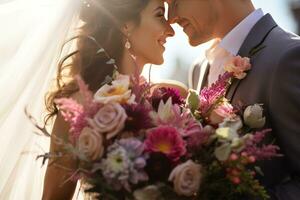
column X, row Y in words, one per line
column 197, row 18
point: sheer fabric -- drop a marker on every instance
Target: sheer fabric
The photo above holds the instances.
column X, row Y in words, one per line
column 31, row 37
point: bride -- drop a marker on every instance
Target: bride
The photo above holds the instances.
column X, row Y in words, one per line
column 133, row 33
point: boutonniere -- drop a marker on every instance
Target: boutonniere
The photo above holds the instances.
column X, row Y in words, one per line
column 238, row 66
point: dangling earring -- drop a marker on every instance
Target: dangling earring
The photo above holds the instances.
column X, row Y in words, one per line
column 127, row 44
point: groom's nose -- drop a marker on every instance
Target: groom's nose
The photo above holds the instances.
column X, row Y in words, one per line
column 172, row 16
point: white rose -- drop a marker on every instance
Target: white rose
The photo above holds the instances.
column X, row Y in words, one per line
column 118, row 91
column 186, row 178
column 253, row 116
column 109, row 120
column 90, row 144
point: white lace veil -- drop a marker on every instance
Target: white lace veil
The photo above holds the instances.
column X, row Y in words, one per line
column 32, row 34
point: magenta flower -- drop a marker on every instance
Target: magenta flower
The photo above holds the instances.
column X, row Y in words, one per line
column 164, row 94
column 166, row 140
column 137, row 117
column 210, row 96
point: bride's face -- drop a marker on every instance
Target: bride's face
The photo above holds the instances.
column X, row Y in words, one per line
column 149, row 36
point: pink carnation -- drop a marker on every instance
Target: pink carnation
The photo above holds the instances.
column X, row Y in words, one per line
column 238, row 66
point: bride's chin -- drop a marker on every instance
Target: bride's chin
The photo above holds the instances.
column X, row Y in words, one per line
column 159, row 61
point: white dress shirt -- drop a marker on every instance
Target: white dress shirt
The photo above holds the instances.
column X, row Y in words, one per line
column 230, row 45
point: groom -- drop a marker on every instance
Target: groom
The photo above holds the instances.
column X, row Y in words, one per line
column 274, row 79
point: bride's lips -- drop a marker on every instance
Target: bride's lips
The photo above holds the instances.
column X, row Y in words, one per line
column 162, row 42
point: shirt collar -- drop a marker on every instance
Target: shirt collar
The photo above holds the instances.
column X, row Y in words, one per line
column 233, row 41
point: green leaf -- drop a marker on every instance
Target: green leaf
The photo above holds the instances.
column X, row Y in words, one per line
column 193, row 100
column 258, row 170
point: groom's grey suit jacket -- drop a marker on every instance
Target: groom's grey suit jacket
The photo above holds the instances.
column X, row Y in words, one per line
column 274, row 81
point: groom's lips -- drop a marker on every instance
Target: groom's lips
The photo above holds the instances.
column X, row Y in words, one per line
column 184, row 24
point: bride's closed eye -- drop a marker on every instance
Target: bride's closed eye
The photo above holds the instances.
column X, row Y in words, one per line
column 160, row 12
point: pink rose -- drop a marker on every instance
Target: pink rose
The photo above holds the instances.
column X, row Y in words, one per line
column 238, row 66
column 221, row 112
column 109, row 120
column 90, row 144
column 186, row 178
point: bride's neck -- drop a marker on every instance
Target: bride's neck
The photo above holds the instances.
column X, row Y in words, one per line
column 128, row 65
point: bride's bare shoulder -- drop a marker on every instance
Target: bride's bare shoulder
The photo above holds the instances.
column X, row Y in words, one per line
column 181, row 87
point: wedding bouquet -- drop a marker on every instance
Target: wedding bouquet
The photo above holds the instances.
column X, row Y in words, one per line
column 126, row 136
column 136, row 141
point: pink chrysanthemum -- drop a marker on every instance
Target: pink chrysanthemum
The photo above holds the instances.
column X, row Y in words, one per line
column 165, row 140
column 175, row 116
column 210, row 96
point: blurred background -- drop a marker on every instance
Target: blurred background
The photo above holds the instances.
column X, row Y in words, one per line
column 179, row 56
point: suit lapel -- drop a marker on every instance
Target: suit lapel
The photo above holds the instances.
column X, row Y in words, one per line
column 254, row 41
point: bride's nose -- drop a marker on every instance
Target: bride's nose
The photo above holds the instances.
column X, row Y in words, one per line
column 169, row 32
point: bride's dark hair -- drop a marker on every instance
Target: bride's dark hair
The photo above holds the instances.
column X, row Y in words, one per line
column 102, row 21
